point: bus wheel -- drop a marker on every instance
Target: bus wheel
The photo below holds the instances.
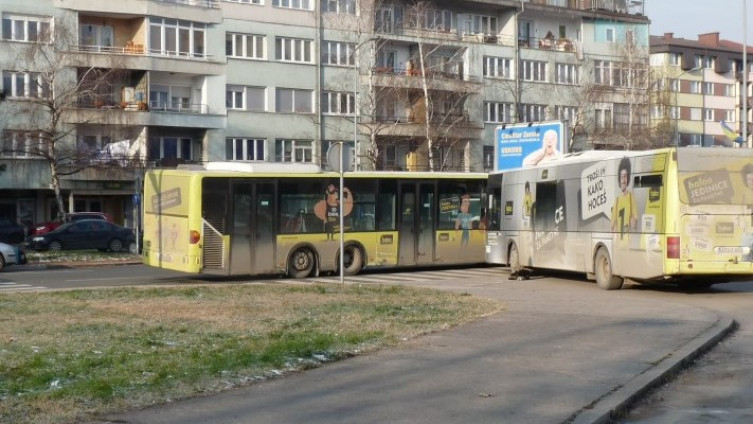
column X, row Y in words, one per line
column 603, row 271
column 352, row 261
column 301, row 263
column 513, row 258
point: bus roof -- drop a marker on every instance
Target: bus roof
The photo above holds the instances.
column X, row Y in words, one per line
column 271, row 169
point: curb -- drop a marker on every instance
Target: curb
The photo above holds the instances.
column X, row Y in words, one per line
column 81, row 264
column 616, row 403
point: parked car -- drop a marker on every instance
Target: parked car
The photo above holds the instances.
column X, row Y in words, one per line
column 11, row 232
column 11, row 255
column 86, row 234
column 46, row 227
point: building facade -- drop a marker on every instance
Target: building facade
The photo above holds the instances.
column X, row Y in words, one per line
column 698, row 89
column 96, row 92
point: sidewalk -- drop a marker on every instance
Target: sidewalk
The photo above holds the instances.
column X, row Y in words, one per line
column 561, row 352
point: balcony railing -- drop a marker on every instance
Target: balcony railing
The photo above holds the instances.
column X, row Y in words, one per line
column 561, row 44
column 199, row 108
column 439, row 119
column 109, row 101
column 137, row 50
column 212, row 4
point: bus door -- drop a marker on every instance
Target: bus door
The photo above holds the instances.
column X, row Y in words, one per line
column 252, row 233
column 416, row 224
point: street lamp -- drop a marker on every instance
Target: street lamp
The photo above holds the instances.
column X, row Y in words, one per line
column 677, row 105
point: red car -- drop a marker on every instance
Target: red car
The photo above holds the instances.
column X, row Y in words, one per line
column 69, row 217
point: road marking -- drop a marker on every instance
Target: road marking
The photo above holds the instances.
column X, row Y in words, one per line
column 13, row 287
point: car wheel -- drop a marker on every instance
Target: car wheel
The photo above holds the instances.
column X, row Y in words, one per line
column 116, row 245
column 55, row 246
column 2, row 262
column 301, row 263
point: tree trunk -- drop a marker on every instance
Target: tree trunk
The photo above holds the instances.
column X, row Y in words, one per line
column 56, row 188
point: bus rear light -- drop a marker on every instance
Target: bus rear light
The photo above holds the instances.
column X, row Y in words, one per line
column 673, row 247
column 194, row 237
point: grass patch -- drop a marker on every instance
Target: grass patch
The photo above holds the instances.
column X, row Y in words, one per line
column 68, row 356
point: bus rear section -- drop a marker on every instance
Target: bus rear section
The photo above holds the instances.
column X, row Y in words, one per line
column 715, row 220
column 172, row 221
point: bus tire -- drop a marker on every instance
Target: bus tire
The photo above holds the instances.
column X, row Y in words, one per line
column 352, row 261
column 513, row 258
column 603, row 271
column 301, row 263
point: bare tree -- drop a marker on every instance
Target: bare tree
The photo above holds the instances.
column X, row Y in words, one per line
column 56, row 82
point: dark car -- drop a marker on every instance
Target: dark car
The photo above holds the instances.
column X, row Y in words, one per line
column 86, row 234
column 11, row 232
column 46, row 227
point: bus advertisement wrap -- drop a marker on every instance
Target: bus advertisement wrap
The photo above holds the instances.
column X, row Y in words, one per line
column 527, row 145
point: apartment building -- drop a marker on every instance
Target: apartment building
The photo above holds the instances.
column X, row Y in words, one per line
column 698, row 86
column 409, row 85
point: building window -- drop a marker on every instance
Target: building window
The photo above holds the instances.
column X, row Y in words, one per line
column 729, row 90
column 495, row 112
column 245, row 1
column 172, row 37
column 344, row 7
column 338, row 53
column 294, row 101
column 244, row 149
column 533, row 70
column 566, row 73
column 292, row 4
column 21, row 144
column 603, row 118
column 674, row 59
column 708, row 114
column 729, row 116
column 246, row 98
column 708, row 62
column 603, row 72
column 695, row 113
column 695, row 87
column 293, row 151
column 27, row 28
column 334, row 103
column 170, row 148
column 566, row 113
column 497, row 67
column 488, row 153
column 293, row 50
column 532, row 113
column 245, row 46
column 25, row 84
column 708, row 88
column 698, row 61
column 478, row 24
column 609, row 35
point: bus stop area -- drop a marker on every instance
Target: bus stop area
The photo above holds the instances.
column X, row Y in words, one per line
column 561, row 351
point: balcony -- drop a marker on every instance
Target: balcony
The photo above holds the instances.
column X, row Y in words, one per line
column 411, row 78
column 206, row 11
column 548, row 43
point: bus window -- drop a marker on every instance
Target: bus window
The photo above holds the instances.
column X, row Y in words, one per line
column 386, row 218
column 297, row 201
column 363, row 215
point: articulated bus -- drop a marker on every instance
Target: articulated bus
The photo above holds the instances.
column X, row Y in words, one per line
column 681, row 215
column 261, row 218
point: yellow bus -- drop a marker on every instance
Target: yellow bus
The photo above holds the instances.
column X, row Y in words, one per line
column 681, row 215
column 262, row 218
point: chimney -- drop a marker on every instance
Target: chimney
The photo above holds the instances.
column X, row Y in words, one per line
column 710, row 39
column 669, row 35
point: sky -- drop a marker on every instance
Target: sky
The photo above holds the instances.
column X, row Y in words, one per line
column 688, row 18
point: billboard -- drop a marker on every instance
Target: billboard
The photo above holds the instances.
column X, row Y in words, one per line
column 526, row 145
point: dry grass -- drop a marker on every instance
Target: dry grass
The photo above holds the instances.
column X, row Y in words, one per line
column 68, row 356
